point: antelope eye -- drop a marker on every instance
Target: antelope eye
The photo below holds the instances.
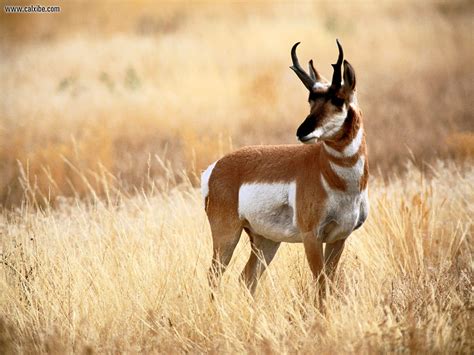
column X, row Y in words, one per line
column 337, row 101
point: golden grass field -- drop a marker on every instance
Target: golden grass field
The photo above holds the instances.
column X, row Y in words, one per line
column 131, row 277
column 108, row 113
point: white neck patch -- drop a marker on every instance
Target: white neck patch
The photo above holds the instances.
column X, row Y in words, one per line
column 350, row 150
column 350, row 175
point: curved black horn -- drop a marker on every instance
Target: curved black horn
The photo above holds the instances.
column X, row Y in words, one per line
column 296, row 67
column 337, row 75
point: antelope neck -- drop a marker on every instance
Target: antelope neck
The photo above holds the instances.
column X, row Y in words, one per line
column 343, row 159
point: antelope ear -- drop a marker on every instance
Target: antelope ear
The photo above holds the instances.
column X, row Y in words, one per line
column 349, row 78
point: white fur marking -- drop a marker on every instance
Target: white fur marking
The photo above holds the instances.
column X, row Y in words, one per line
column 343, row 208
column 316, row 134
column 365, row 204
column 319, row 85
column 351, row 149
column 351, row 175
column 333, row 125
column 332, row 151
column 292, row 200
column 270, row 209
column 205, row 176
column 354, row 146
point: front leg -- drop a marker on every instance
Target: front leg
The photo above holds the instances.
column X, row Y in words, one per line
column 313, row 248
column 332, row 254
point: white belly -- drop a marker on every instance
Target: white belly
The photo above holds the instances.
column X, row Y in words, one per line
column 270, row 210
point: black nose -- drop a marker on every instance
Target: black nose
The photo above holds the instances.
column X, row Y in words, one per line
column 306, row 127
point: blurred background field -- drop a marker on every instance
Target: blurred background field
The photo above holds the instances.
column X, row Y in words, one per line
column 112, row 90
column 109, row 111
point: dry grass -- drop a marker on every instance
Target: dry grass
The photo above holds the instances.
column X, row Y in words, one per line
column 181, row 81
column 131, row 277
column 107, row 116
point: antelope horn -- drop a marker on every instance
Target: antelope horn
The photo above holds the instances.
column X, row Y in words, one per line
column 337, row 75
column 296, row 67
column 313, row 73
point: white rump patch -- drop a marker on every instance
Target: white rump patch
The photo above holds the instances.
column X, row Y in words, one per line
column 205, row 180
column 270, row 210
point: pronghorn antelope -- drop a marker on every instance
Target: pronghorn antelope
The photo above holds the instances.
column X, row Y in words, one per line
column 310, row 193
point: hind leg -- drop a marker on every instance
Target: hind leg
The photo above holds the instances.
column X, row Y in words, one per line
column 224, row 241
column 263, row 251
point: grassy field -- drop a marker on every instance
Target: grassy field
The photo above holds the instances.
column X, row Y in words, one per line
column 131, row 277
column 108, row 117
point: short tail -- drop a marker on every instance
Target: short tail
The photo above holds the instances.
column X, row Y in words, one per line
column 205, row 176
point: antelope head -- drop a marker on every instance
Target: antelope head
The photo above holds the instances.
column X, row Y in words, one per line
column 328, row 101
